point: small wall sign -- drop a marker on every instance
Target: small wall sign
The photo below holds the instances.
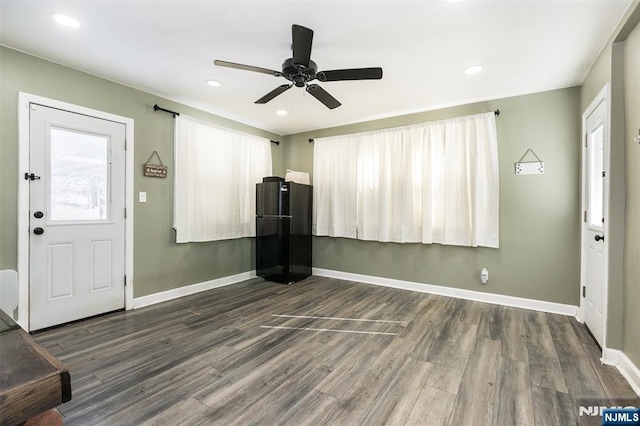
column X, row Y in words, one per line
column 155, row 170
column 529, row 167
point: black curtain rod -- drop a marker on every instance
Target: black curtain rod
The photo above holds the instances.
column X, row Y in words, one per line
column 496, row 112
column 157, row 108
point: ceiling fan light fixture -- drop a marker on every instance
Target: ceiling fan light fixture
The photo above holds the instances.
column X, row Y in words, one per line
column 300, row 70
column 65, row 20
column 281, row 112
column 214, row 83
column 475, row 69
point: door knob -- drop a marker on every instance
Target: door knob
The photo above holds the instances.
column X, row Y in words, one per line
column 38, row 231
column 599, row 237
column 38, row 215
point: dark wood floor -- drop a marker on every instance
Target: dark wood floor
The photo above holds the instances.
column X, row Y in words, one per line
column 257, row 353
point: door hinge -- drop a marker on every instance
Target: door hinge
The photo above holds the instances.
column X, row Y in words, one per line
column 604, row 174
column 31, row 176
column 125, row 144
column 585, row 140
column 125, row 280
column 584, row 291
column 125, row 212
column 585, row 216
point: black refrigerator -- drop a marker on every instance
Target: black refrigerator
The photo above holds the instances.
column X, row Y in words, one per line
column 283, row 230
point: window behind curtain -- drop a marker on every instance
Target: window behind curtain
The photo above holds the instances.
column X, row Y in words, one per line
column 216, row 171
column 434, row 182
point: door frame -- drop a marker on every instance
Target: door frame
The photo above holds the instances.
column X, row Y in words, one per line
column 603, row 96
column 24, row 101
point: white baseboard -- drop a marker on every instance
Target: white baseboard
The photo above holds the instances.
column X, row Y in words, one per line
column 164, row 296
column 610, row 357
column 625, row 366
column 478, row 296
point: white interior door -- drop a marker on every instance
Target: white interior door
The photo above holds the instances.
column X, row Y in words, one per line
column 595, row 244
column 76, row 217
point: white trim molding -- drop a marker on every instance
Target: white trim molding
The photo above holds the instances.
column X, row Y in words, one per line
column 175, row 293
column 24, row 100
column 478, row 296
column 625, row 366
column 610, row 357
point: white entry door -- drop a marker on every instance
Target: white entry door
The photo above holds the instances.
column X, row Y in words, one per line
column 595, row 242
column 76, row 217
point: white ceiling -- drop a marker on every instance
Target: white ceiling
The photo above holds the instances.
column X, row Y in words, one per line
column 168, row 47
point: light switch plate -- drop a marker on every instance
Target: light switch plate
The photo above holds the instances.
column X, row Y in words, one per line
column 142, row 197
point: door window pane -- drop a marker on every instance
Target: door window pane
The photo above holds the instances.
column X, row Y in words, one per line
column 79, row 176
column 596, row 180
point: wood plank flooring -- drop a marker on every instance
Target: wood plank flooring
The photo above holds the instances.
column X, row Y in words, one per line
column 263, row 353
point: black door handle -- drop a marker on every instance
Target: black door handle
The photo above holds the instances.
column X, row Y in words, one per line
column 38, row 215
column 38, row 231
column 599, row 237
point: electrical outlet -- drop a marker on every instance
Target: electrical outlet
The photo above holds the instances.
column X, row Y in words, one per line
column 484, row 275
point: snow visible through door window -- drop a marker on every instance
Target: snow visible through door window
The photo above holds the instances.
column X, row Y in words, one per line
column 596, row 178
column 78, row 176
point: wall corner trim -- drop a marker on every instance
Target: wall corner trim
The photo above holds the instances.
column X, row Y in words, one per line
column 478, row 296
column 175, row 293
column 610, row 357
column 625, row 366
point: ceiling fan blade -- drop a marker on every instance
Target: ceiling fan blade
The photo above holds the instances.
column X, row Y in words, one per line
column 246, row 67
column 272, row 94
column 323, row 96
column 351, row 74
column 302, row 39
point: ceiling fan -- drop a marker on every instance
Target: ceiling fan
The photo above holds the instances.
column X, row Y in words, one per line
column 300, row 70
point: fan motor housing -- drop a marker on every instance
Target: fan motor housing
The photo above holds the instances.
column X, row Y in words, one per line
column 299, row 74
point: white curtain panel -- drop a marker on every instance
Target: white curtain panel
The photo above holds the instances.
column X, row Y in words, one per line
column 216, row 171
column 434, row 182
column 335, row 189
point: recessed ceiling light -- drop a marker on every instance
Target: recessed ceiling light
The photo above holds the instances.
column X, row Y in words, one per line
column 214, row 83
column 65, row 20
column 473, row 70
column 281, row 112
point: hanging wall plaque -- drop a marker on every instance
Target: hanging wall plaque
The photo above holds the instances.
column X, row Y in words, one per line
column 155, row 170
column 530, row 167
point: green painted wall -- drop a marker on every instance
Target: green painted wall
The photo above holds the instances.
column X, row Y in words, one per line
column 539, row 254
column 631, row 337
column 599, row 75
column 159, row 263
